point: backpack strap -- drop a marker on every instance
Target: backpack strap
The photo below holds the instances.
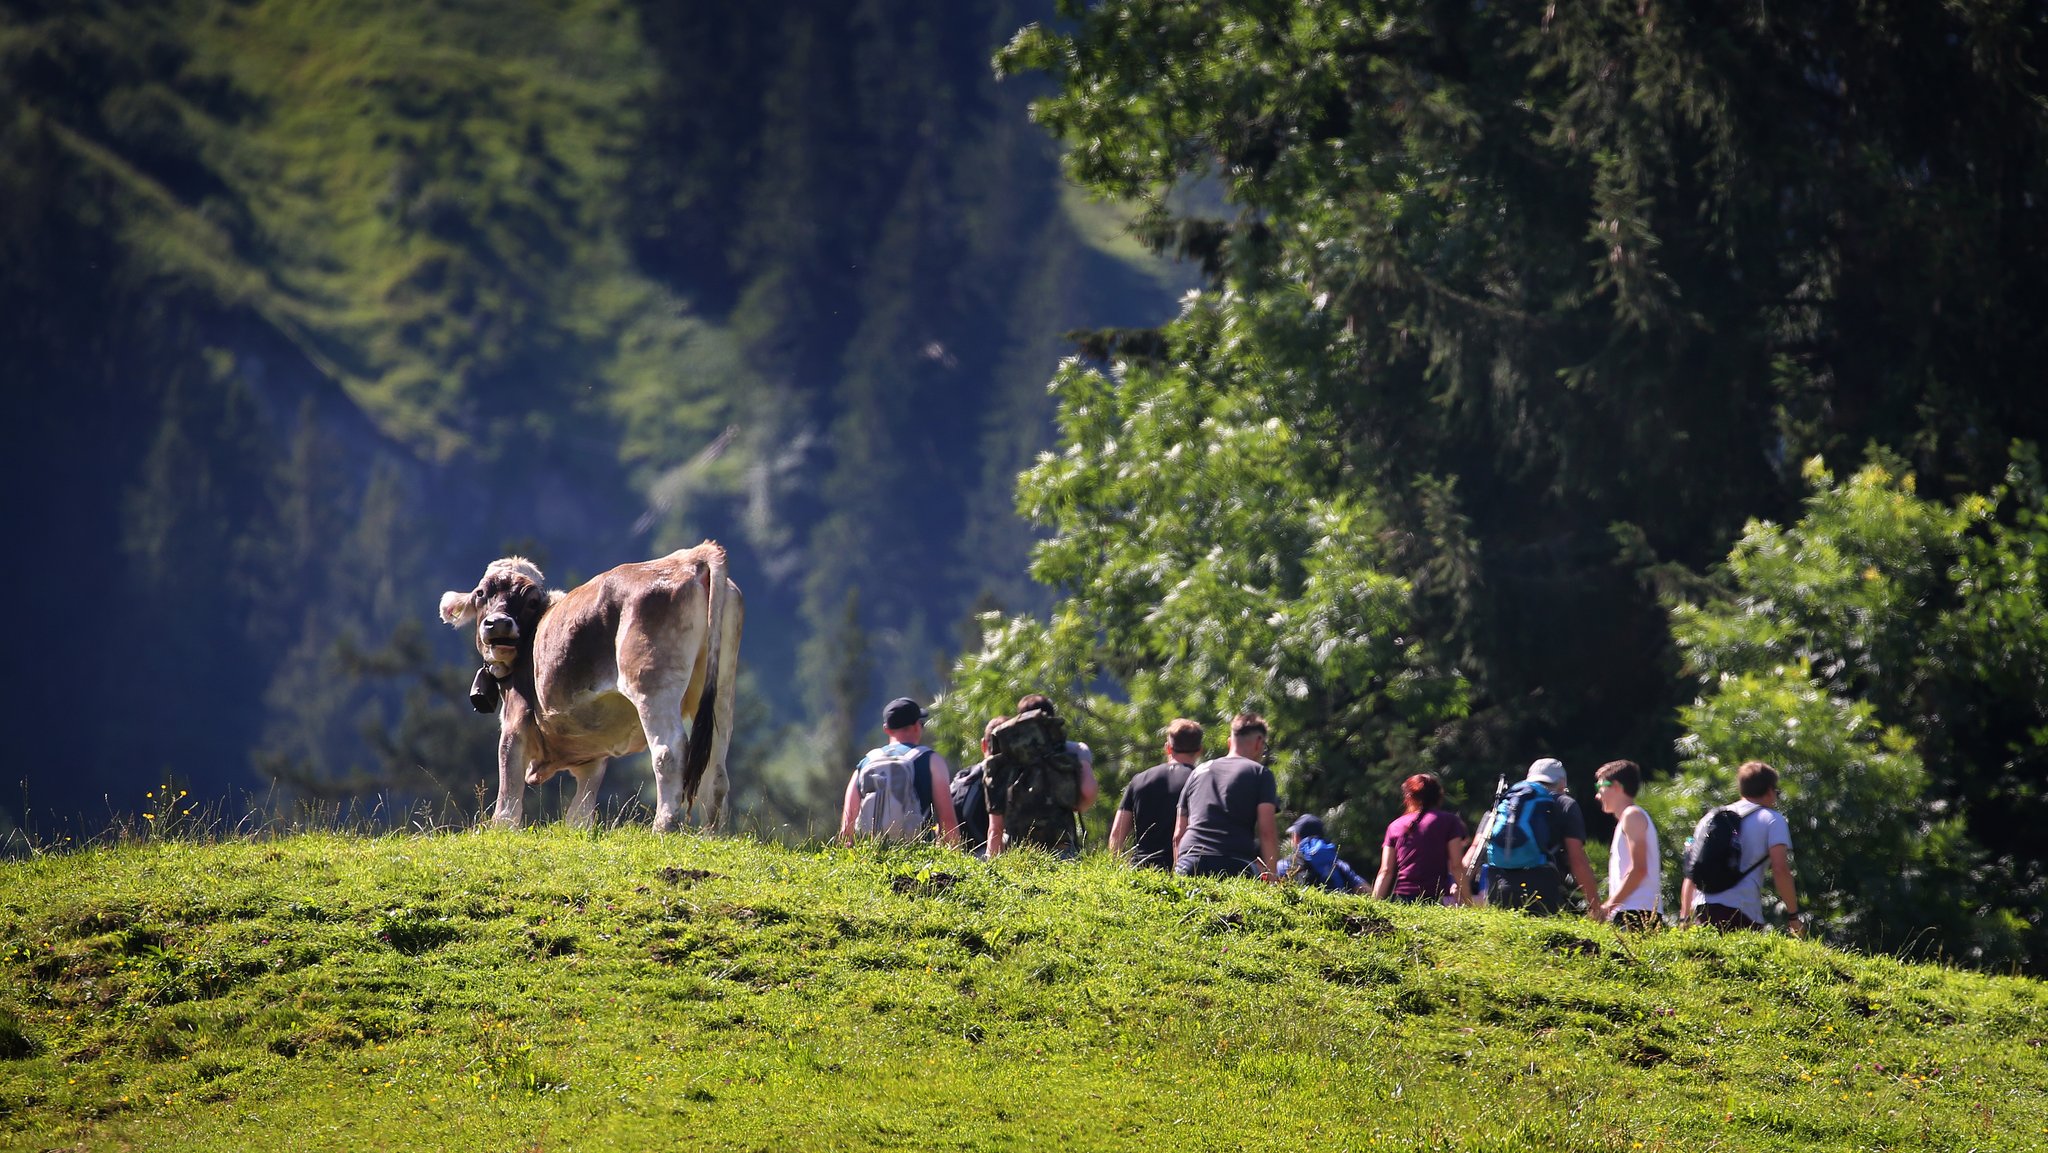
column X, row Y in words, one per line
column 920, row 762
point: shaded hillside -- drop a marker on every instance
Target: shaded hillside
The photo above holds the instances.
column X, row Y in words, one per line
column 550, row 990
column 315, row 310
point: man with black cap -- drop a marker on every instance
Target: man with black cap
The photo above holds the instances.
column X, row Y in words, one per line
column 1535, row 824
column 899, row 788
column 1149, row 800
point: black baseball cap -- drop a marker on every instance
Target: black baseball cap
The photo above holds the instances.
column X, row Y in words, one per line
column 1306, row 825
column 902, row 713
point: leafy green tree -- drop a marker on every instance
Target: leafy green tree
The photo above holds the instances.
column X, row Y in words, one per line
column 1573, row 267
column 1871, row 651
column 1211, row 559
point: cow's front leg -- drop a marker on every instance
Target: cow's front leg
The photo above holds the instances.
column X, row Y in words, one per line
column 582, row 812
column 511, row 807
column 661, row 717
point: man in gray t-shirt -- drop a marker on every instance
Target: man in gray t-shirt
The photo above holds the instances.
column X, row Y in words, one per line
column 1766, row 841
column 1224, row 824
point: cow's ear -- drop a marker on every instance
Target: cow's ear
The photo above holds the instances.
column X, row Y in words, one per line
column 555, row 596
column 456, row 608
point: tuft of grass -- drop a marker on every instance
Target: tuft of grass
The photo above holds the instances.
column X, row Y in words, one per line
column 544, row 989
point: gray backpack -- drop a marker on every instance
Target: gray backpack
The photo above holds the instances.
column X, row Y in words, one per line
column 889, row 805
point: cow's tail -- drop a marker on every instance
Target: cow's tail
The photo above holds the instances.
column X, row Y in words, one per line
column 701, row 734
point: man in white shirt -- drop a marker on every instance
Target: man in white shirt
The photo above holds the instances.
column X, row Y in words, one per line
column 1635, row 874
column 1766, row 840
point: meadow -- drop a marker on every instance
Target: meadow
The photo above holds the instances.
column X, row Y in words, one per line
column 553, row 990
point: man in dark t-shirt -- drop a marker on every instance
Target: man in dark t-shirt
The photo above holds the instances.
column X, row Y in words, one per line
column 1224, row 824
column 1152, row 797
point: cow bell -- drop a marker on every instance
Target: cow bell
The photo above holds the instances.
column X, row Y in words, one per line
column 484, row 691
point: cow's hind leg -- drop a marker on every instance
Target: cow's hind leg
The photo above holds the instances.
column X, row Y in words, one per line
column 716, row 782
column 582, row 812
column 661, row 717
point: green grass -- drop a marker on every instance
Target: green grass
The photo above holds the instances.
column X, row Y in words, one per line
column 550, row 990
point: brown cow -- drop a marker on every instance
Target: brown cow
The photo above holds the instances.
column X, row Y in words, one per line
column 611, row 667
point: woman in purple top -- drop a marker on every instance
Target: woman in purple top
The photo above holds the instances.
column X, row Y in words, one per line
column 1423, row 847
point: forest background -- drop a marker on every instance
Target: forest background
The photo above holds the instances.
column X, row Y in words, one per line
column 1613, row 381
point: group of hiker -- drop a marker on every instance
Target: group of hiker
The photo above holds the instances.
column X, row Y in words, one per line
column 1219, row 817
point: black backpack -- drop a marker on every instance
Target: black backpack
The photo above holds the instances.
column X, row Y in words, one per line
column 970, row 807
column 1713, row 858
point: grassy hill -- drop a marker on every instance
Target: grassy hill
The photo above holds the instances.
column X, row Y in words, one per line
column 549, row 990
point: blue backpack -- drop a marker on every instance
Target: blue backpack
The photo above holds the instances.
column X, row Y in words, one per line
column 1316, row 860
column 1524, row 828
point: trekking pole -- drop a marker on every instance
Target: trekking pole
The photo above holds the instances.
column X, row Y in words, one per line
column 1500, row 792
column 1476, row 856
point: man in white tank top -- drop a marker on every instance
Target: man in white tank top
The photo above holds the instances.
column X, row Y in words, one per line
column 1635, row 873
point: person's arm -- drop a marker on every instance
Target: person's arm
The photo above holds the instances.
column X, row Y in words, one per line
column 1269, row 841
column 1383, row 885
column 1582, row 872
column 1119, row 832
column 1456, row 864
column 1633, row 823
column 1686, row 893
column 1781, row 876
column 1180, row 829
column 849, row 813
column 942, row 801
column 1089, row 789
column 995, row 835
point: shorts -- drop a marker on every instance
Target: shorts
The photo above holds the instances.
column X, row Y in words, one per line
column 1539, row 891
column 1725, row 918
column 1639, row 920
column 1206, row 866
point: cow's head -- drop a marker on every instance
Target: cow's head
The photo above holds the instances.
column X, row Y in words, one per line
column 506, row 605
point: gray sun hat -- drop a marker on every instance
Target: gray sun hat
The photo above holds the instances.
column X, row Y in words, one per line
column 1549, row 770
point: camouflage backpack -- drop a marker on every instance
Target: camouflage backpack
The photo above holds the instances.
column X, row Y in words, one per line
column 1038, row 777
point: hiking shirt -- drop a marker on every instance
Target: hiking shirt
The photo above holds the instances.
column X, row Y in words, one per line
column 920, row 779
column 1221, row 800
column 1422, row 851
column 1649, row 896
column 1761, row 828
column 1571, row 826
column 1150, row 799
